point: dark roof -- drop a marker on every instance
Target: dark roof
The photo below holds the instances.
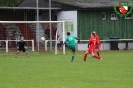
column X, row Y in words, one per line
column 43, row 8
column 91, row 3
column 41, row 3
column 75, row 3
column 32, row 3
column 45, row 4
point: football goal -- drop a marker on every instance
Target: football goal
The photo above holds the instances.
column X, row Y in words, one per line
column 53, row 33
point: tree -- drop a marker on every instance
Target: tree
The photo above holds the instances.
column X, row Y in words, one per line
column 9, row 3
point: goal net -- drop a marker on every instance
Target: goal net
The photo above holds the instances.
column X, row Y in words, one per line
column 52, row 31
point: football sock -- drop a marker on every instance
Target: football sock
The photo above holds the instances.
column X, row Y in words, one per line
column 85, row 56
column 72, row 59
column 98, row 53
column 98, row 57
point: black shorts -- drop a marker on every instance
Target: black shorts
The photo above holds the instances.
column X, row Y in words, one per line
column 22, row 49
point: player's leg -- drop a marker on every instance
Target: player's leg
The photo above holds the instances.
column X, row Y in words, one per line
column 95, row 56
column 98, row 50
column 85, row 55
column 73, row 55
column 24, row 50
column 17, row 53
column 73, row 52
column 27, row 54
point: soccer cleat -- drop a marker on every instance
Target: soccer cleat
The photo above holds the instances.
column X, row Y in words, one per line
column 16, row 56
column 84, row 59
column 92, row 57
column 27, row 55
column 72, row 59
column 101, row 59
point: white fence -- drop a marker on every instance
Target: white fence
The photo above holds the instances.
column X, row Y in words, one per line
column 122, row 44
column 7, row 41
column 105, row 44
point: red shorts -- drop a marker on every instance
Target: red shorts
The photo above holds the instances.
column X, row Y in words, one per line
column 91, row 50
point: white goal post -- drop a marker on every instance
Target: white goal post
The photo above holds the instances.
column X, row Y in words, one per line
column 35, row 22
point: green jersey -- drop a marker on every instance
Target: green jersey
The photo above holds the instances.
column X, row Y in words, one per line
column 71, row 40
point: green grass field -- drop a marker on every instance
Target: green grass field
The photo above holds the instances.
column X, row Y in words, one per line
column 46, row 70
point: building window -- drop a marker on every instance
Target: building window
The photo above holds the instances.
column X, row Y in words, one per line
column 130, row 16
column 114, row 17
column 103, row 16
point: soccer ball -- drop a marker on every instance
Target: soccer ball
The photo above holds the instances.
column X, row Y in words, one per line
column 43, row 39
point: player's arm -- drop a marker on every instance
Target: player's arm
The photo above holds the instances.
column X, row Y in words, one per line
column 98, row 40
column 77, row 39
column 89, row 43
column 97, row 44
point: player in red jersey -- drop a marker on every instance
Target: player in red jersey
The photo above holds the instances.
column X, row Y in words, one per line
column 91, row 47
column 98, row 43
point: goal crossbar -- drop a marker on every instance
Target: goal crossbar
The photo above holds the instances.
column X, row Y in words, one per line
column 31, row 21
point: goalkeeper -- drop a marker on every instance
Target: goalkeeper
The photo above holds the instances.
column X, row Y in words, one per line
column 71, row 43
column 21, row 47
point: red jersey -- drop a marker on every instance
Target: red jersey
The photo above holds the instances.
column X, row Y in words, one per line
column 92, row 42
column 98, row 39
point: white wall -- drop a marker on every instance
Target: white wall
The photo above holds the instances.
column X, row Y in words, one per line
column 105, row 46
column 69, row 17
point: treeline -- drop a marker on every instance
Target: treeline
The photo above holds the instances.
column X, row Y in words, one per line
column 9, row 3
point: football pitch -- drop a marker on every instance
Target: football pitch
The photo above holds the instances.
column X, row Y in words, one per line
column 46, row 70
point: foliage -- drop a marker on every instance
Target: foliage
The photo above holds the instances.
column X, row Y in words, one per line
column 9, row 3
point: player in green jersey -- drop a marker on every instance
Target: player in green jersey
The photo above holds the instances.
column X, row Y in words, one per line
column 71, row 43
